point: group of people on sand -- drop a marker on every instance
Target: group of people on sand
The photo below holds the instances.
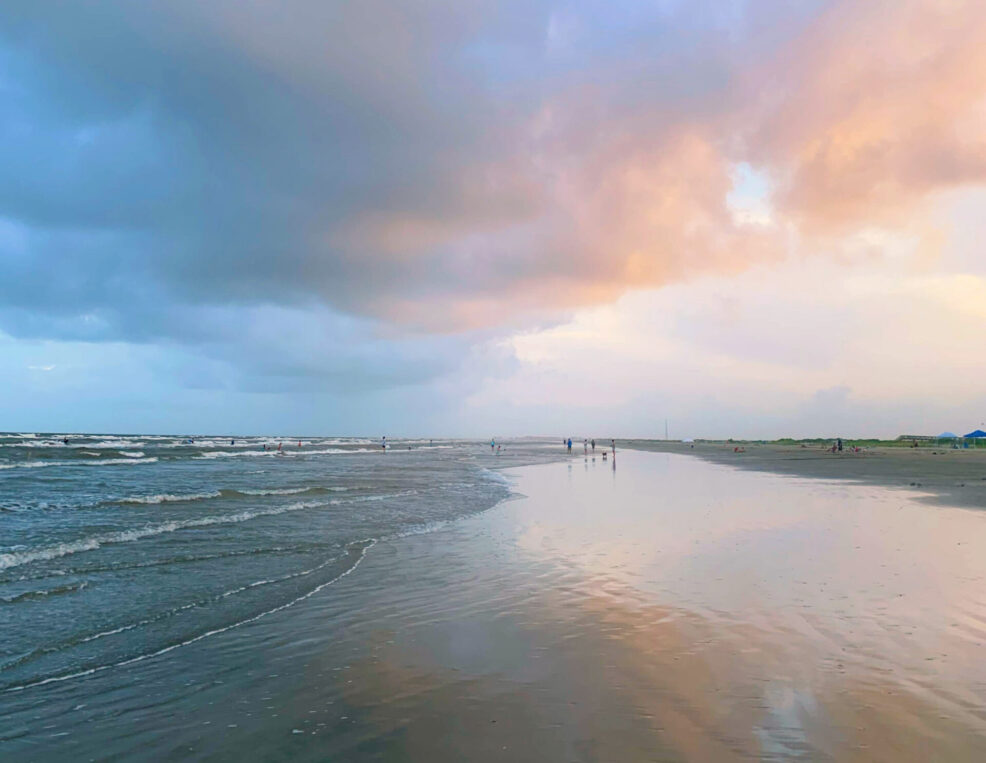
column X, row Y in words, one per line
column 587, row 443
column 837, row 447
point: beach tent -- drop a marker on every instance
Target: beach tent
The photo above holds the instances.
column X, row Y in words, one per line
column 975, row 436
column 948, row 436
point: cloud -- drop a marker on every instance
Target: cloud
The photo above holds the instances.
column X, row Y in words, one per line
column 368, row 191
column 382, row 158
column 804, row 348
column 871, row 108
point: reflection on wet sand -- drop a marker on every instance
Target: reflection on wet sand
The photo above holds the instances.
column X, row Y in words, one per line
column 590, row 678
column 550, row 643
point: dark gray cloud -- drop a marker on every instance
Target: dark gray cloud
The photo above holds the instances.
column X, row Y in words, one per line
column 233, row 151
column 173, row 170
column 224, row 144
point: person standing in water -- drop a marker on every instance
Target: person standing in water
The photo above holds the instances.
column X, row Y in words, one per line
column 492, row 444
column 593, row 446
column 383, row 442
column 569, row 444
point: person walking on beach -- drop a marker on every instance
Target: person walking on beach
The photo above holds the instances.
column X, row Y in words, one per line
column 593, row 446
column 612, row 446
column 492, row 444
column 569, row 444
column 585, row 446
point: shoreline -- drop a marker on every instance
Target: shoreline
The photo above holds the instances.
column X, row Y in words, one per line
column 706, row 614
column 955, row 478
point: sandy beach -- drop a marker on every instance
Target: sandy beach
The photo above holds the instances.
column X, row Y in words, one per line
column 662, row 608
column 948, row 477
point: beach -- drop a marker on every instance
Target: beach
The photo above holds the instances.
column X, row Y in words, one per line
column 663, row 608
column 947, row 476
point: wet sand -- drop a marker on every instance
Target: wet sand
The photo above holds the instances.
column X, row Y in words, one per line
column 947, row 476
column 667, row 609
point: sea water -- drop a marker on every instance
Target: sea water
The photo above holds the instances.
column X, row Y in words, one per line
column 115, row 548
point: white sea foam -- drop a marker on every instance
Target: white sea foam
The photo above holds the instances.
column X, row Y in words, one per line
column 170, row 498
column 275, row 491
column 104, row 444
column 78, row 443
column 79, row 462
column 132, row 453
column 91, row 543
column 287, row 450
column 234, row 453
column 334, row 450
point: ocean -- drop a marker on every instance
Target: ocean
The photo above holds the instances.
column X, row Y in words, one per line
column 116, row 548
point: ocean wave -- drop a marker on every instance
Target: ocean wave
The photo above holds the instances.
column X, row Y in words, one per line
column 234, row 453
column 357, row 549
column 276, row 491
column 43, row 593
column 285, row 451
column 79, row 462
column 91, row 569
column 93, row 542
column 170, row 498
column 334, row 450
column 132, row 453
column 104, row 444
column 77, row 443
column 225, row 493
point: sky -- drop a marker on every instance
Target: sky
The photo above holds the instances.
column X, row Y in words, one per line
column 471, row 218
